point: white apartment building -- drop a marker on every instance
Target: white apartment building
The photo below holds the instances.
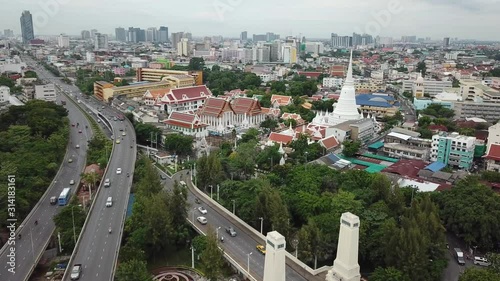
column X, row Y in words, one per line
column 314, row 48
column 332, row 82
column 90, row 57
column 4, row 94
column 45, row 92
column 431, row 87
column 100, row 42
column 470, row 90
column 453, row 149
column 183, row 47
column 63, row 41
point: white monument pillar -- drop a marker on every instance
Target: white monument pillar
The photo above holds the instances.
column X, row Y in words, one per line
column 345, row 266
column 274, row 266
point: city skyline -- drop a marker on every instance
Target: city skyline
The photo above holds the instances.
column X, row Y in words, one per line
column 314, row 19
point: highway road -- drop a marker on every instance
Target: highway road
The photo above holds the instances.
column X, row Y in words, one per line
column 34, row 238
column 237, row 247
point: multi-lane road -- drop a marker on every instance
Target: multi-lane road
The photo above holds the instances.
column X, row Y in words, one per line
column 239, row 247
column 34, row 238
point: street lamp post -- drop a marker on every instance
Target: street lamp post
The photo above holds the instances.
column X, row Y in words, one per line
column 194, row 210
column 217, row 192
column 73, row 216
column 248, row 262
column 211, row 191
column 295, row 244
column 192, row 256
column 217, row 232
column 234, row 205
column 261, row 224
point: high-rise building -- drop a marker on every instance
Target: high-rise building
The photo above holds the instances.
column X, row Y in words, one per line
column 259, row 37
column 93, row 32
column 243, row 36
column 27, row 27
column 163, row 34
column 63, row 41
column 409, row 39
column 121, row 34
column 8, row 33
column 188, row 35
column 131, row 35
column 341, row 41
column 183, row 47
column 176, row 38
column 85, row 34
column 446, row 42
column 100, row 42
column 141, row 35
column 152, row 34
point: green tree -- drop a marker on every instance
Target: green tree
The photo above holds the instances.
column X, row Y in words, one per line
column 422, row 68
column 212, row 257
column 351, row 148
column 269, row 124
column 209, row 170
column 69, row 223
column 196, row 64
column 179, row 144
column 310, row 243
column 388, row 274
column 133, row 270
column 30, row 74
column 242, row 161
column 475, row 274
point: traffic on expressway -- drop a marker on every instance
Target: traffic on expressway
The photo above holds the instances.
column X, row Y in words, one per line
column 33, row 238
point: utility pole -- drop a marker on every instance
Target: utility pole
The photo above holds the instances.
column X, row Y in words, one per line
column 74, row 231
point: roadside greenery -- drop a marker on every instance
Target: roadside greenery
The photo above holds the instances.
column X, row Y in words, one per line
column 158, row 221
column 70, row 216
column 33, row 140
column 85, row 79
column 51, row 68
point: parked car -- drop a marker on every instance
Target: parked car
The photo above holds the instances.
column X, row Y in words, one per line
column 481, row 261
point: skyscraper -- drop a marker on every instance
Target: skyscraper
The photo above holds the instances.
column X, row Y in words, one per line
column 101, row 42
column 163, row 34
column 63, row 41
column 244, row 36
column 120, row 34
column 27, row 27
column 85, row 34
column 176, row 38
column 446, row 42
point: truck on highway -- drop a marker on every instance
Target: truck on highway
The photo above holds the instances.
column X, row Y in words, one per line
column 76, row 271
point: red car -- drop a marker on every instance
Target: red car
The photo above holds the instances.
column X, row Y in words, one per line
column 72, row 125
column 79, row 131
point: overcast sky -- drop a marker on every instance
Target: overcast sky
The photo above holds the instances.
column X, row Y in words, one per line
column 465, row 19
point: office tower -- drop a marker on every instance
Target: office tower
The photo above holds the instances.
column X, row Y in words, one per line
column 176, row 38
column 163, row 34
column 259, row 37
column 189, row 36
column 121, row 34
column 101, row 42
column 27, row 27
column 131, row 35
column 141, row 35
column 345, row 266
column 446, row 42
column 243, row 36
column 274, row 261
column 152, row 34
column 63, row 41
column 85, row 34
column 93, row 32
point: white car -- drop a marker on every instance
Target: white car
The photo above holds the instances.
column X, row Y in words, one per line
column 202, row 210
column 202, row 220
column 77, row 146
column 119, row 170
column 71, row 182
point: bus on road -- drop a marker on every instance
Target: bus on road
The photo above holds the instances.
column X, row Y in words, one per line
column 64, row 197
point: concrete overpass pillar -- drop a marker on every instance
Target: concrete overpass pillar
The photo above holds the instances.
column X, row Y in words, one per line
column 345, row 266
column 274, row 266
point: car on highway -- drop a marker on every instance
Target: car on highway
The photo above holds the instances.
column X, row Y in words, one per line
column 118, row 170
column 230, row 230
column 261, row 249
column 124, row 134
column 77, row 146
column 121, row 129
column 71, row 182
column 53, row 200
column 109, row 201
column 202, row 220
column 202, row 210
column 117, row 141
column 76, row 271
column 72, row 125
column 80, row 131
column 163, row 177
column 70, row 160
column 107, row 183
